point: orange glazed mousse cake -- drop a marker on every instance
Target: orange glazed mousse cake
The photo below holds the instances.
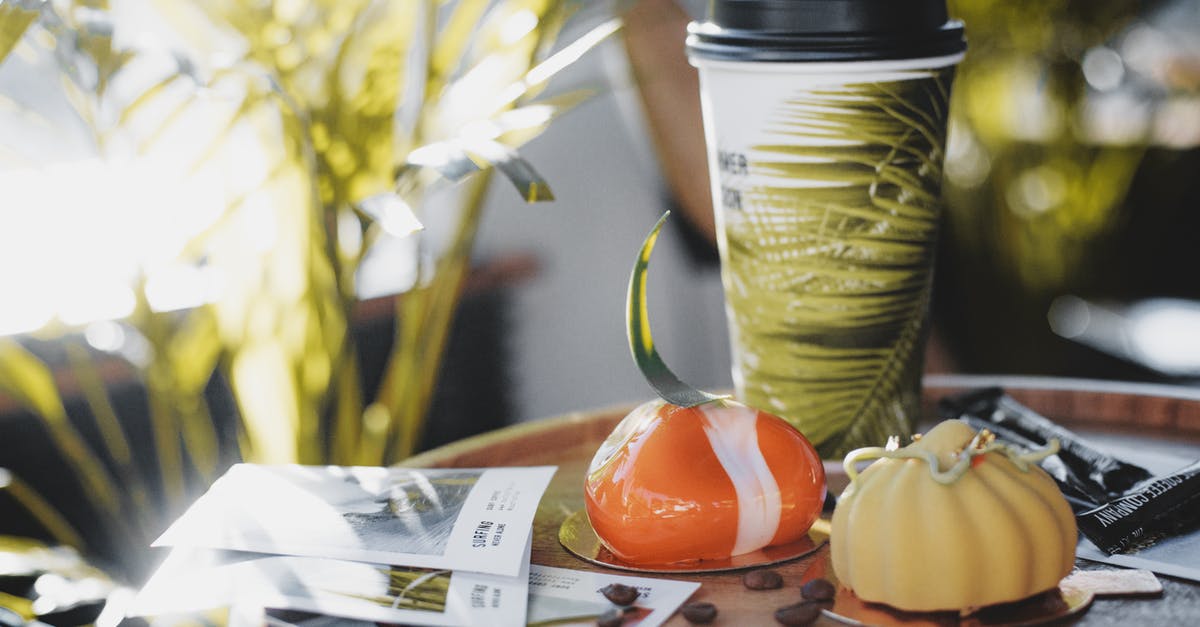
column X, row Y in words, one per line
column 694, row 476
column 677, row 484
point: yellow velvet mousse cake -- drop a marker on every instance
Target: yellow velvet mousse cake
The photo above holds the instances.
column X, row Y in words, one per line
column 954, row 521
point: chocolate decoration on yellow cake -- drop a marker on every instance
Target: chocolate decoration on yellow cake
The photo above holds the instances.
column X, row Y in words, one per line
column 953, row 521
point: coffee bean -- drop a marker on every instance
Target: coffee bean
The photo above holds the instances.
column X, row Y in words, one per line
column 762, row 580
column 700, row 613
column 612, row 617
column 818, row 590
column 801, row 613
column 620, row 593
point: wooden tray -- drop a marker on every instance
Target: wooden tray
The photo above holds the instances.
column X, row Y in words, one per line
column 1165, row 418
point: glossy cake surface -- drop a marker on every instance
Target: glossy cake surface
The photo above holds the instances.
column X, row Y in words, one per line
column 674, row 484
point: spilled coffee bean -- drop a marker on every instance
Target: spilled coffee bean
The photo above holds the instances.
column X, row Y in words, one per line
column 818, row 590
column 620, row 593
column 612, row 617
column 699, row 613
column 801, row 613
column 762, row 580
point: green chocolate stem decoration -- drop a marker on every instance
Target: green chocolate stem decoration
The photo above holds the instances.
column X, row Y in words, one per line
column 983, row 442
column 641, row 344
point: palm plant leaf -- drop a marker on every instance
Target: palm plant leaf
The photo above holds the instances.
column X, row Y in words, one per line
column 15, row 18
column 498, row 71
column 59, row 528
column 25, row 378
column 363, row 102
column 326, row 100
column 472, row 149
column 423, row 322
column 852, row 307
column 453, row 41
column 492, row 143
column 113, row 437
column 537, row 78
column 164, row 425
column 282, row 422
column 190, row 355
column 517, row 126
column 530, row 184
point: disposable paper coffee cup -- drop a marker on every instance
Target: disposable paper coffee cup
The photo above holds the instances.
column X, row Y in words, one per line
column 825, row 122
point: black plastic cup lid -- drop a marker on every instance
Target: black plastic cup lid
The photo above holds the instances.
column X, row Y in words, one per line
column 825, row 30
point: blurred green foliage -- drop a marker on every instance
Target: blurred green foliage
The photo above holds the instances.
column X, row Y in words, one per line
column 1064, row 175
column 354, row 112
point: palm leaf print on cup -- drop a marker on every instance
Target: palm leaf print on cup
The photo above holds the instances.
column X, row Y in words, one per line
column 828, row 219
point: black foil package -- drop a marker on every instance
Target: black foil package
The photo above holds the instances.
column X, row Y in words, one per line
column 1087, row 477
column 1119, row 506
column 1080, row 491
column 1161, row 507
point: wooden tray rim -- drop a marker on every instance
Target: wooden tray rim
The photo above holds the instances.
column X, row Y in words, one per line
column 521, row 431
column 1062, row 384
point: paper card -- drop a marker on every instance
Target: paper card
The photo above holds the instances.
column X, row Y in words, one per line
column 1117, row 582
column 454, row 519
column 558, row 595
column 192, row 580
column 1177, row 556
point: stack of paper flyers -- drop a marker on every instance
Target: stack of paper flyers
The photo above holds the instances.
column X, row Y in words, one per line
column 395, row 545
column 380, row 545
